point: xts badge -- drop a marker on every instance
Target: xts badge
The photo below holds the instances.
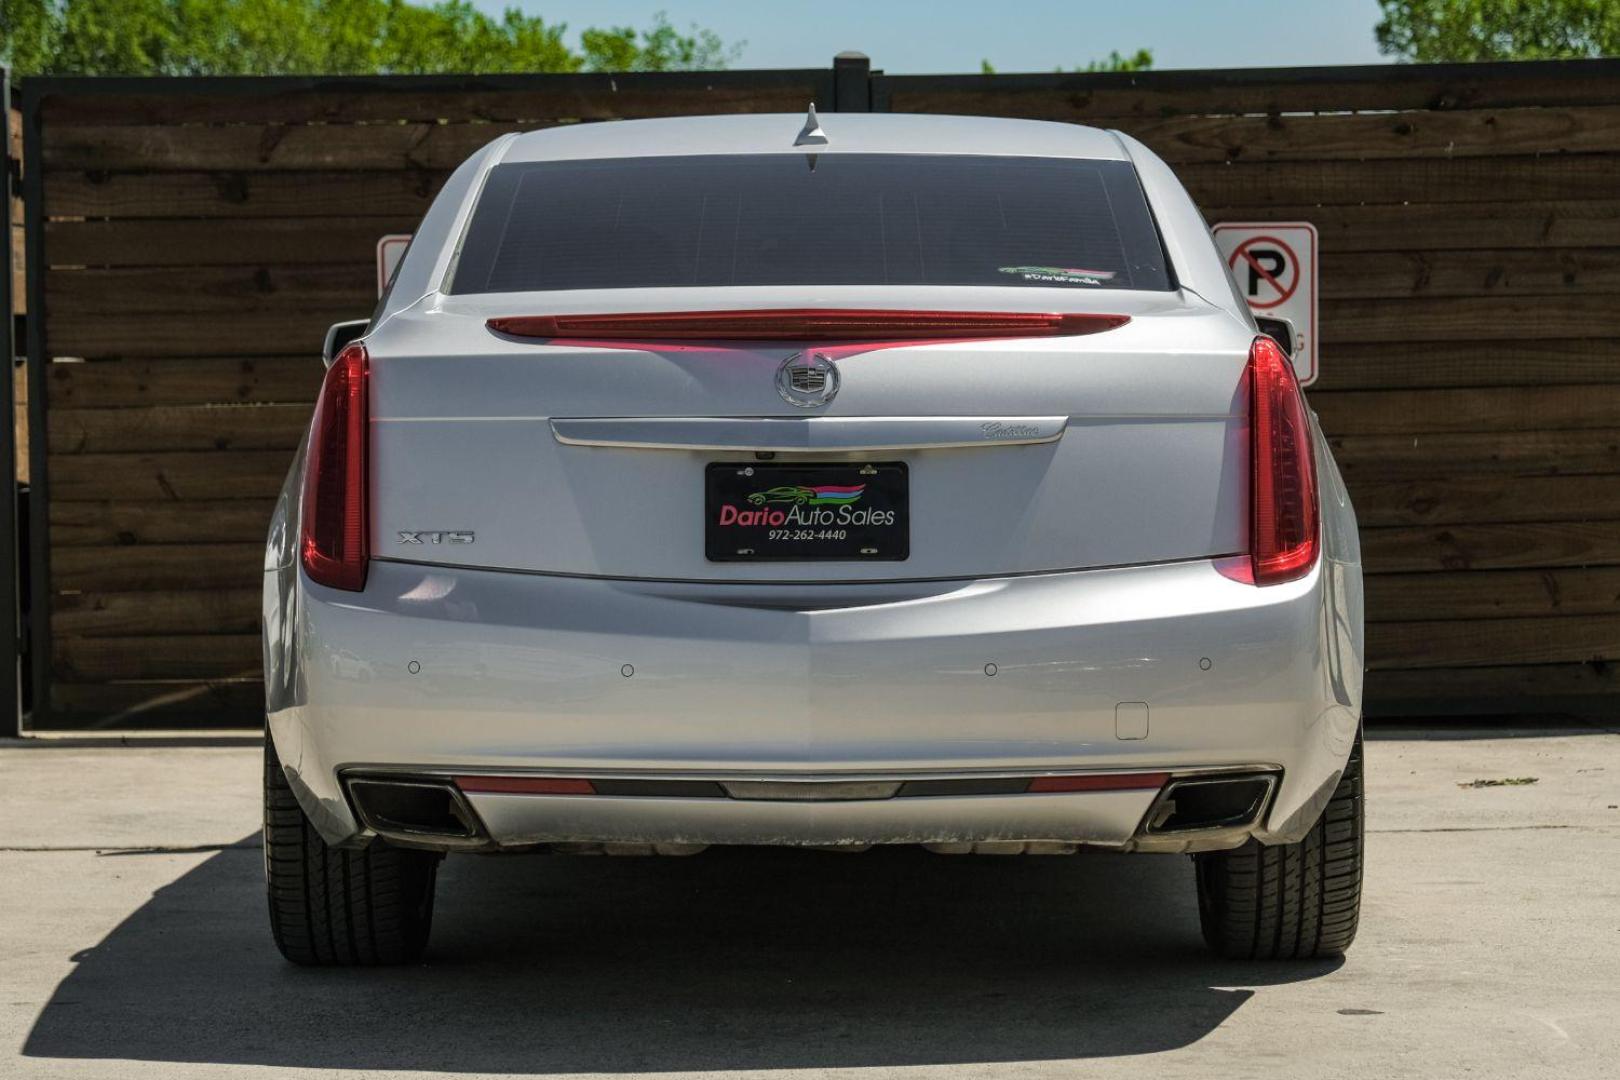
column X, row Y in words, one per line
column 436, row 537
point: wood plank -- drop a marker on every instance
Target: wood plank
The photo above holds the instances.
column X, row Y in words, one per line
column 1344, row 275
column 248, row 333
column 1496, row 546
column 1488, row 690
column 184, row 656
column 19, row 399
column 1513, row 272
column 346, row 241
column 1539, row 178
column 202, row 381
column 219, row 703
column 531, row 98
column 1489, row 642
column 1082, row 97
column 1446, row 227
column 1524, row 408
column 268, row 146
column 270, row 306
column 1492, row 594
column 1504, row 318
column 269, row 323
column 19, row 272
column 432, row 145
column 1517, row 453
column 179, row 476
column 230, row 291
column 121, row 522
column 157, row 567
column 1464, row 133
column 1465, row 363
column 134, row 614
column 1465, row 500
column 352, row 240
column 239, row 194
column 178, row 427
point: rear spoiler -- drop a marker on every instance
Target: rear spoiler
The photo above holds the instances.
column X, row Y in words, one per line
column 822, row 324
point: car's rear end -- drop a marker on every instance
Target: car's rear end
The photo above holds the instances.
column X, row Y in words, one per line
column 928, row 485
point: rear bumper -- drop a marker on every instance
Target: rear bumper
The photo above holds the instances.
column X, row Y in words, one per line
column 1101, row 818
column 451, row 671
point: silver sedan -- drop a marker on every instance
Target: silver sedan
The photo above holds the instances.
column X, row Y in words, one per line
column 877, row 480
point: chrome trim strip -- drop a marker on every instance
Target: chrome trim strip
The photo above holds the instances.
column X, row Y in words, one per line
column 808, row 434
column 724, row 776
column 823, row 791
column 817, row 583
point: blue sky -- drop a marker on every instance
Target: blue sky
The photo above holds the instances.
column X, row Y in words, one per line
column 1015, row 35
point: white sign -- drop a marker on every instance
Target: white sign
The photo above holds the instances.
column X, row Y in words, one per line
column 1274, row 265
column 390, row 249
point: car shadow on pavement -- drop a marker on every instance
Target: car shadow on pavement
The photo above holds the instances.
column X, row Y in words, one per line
column 733, row 959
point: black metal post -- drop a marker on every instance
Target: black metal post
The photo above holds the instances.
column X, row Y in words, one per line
column 852, row 83
column 39, row 518
column 10, row 614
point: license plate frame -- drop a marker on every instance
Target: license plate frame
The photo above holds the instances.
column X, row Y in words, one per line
column 842, row 511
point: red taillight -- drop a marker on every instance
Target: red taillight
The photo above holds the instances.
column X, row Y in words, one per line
column 1283, row 498
column 1100, row 782
column 525, row 785
column 334, row 541
column 818, row 324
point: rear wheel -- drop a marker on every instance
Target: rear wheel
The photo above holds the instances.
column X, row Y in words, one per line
column 336, row 908
column 1289, row 901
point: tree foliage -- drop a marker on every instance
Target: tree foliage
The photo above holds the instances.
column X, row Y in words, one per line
column 1140, row 60
column 1430, row 31
column 335, row 37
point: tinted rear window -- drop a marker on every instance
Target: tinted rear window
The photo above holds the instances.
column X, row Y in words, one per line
column 797, row 219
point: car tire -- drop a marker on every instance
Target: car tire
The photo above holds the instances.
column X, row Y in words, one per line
column 330, row 907
column 1290, row 901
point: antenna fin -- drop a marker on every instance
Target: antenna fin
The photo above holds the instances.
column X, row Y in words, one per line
column 811, row 134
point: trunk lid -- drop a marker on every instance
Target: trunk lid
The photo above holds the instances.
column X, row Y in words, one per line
column 1021, row 455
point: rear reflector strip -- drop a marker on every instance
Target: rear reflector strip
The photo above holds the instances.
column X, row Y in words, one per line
column 525, row 785
column 821, row 324
column 1105, row 782
column 954, row 786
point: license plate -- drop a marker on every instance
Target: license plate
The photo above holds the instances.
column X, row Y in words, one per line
column 847, row 511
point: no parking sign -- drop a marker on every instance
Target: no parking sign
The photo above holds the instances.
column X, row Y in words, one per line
column 1274, row 265
column 390, row 249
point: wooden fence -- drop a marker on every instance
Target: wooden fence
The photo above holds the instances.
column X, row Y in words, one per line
column 191, row 239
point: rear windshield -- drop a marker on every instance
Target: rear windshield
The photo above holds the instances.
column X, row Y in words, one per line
column 806, row 219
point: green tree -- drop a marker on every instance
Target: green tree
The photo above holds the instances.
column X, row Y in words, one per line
column 342, row 37
column 1140, row 60
column 658, row 48
column 1430, row 31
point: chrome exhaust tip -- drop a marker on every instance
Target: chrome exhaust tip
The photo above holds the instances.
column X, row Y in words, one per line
column 1208, row 804
column 417, row 812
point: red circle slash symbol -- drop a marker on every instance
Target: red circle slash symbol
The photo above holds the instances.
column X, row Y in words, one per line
column 1269, row 266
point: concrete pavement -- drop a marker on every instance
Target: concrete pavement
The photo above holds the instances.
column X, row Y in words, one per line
column 133, row 944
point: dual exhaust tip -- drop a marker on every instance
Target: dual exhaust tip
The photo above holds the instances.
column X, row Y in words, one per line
column 434, row 812
column 417, row 811
column 1206, row 804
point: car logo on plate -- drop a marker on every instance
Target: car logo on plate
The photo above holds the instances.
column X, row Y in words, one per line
column 807, row 380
